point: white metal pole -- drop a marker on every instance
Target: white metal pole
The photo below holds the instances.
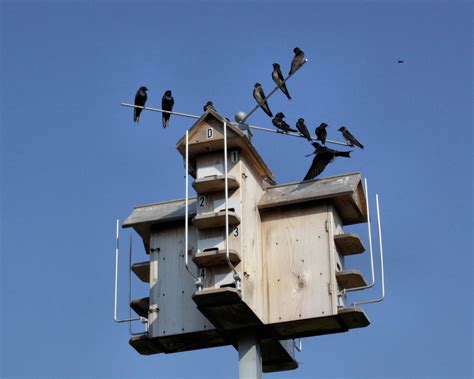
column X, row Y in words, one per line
column 250, row 357
column 369, row 229
column 226, row 200
column 116, row 319
column 382, row 273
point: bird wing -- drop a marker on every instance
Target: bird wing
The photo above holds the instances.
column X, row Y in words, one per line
column 304, row 130
column 320, row 162
column 351, row 138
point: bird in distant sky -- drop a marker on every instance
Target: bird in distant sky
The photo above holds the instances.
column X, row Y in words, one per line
column 324, row 156
column 281, row 125
column 167, row 103
column 351, row 140
column 321, row 132
column 278, row 78
column 208, row 105
column 401, row 61
column 140, row 99
column 303, row 129
column 297, row 61
column 259, row 95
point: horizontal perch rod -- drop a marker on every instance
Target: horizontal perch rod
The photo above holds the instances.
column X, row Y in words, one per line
column 250, row 126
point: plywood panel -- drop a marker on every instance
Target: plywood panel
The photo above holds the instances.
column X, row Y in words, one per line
column 253, row 278
column 297, row 248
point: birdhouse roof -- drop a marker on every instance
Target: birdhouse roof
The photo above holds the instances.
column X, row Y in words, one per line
column 199, row 143
column 345, row 191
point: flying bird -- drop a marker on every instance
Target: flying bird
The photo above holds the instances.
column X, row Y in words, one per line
column 140, row 99
column 303, row 129
column 321, row 132
column 208, row 105
column 278, row 78
column 281, row 124
column 351, row 140
column 297, row 61
column 259, row 95
column 323, row 157
column 167, row 103
column 401, row 61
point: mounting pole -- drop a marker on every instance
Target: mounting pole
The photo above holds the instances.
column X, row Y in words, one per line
column 250, row 357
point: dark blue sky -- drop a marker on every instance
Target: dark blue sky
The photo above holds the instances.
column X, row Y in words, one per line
column 72, row 161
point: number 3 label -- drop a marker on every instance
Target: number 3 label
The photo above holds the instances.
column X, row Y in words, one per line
column 236, row 231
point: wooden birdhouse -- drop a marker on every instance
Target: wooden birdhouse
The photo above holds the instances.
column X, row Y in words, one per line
column 284, row 275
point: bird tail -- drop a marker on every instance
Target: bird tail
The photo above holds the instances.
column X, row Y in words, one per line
column 345, row 154
column 136, row 115
column 292, row 130
column 166, row 119
column 285, row 91
column 267, row 110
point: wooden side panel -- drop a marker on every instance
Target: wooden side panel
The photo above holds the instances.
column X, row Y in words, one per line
column 253, row 278
column 171, row 286
column 335, row 228
column 297, row 254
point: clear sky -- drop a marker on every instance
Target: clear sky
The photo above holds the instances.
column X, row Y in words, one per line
column 72, row 161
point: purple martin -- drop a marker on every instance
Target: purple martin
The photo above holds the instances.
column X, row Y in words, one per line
column 167, row 103
column 351, row 140
column 303, row 129
column 324, row 156
column 259, row 95
column 278, row 78
column 297, row 61
column 281, row 124
column 208, row 105
column 140, row 99
column 321, row 132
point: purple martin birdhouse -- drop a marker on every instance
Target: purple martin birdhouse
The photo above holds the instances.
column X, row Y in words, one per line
column 267, row 258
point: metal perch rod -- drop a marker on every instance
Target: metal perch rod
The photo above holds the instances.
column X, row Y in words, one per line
column 160, row 110
column 273, row 91
column 233, row 123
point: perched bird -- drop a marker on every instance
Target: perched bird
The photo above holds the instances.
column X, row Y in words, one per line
column 303, row 129
column 297, row 61
column 208, row 105
column 278, row 78
column 167, row 103
column 140, row 99
column 351, row 140
column 259, row 95
column 281, row 124
column 324, row 156
column 321, row 132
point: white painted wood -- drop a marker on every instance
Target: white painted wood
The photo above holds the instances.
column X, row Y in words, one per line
column 173, row 286
column 223, row 279
column 233, row 203
column 154, row 289
column 210, row 243
column 210, row 170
